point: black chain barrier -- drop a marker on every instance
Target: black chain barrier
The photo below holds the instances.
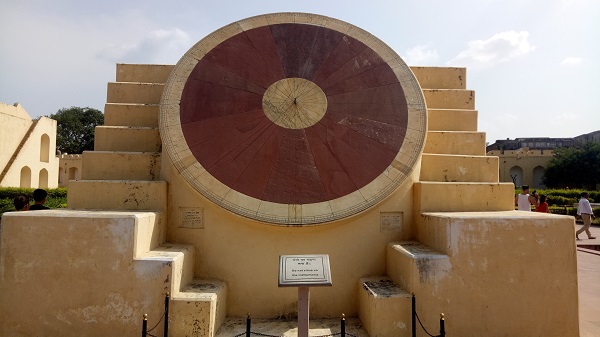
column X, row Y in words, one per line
column 165, row 316
column 248, row 332
column 414, row 325
column 342, row 333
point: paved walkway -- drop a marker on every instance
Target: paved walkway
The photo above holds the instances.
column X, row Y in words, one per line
column 588, row 273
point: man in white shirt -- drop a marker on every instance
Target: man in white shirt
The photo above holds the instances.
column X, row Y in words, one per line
column 584, row 209
column 523, row 200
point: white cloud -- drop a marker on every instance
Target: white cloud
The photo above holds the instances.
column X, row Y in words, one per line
column 571, row 61
column 421, row 55
column 564, row 118
column 499, row 48
column 159, row 46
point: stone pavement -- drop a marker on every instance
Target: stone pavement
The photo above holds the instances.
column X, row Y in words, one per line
column 588, row 270
column 289, row 327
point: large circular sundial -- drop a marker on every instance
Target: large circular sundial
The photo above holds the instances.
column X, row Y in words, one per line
column 293, row 118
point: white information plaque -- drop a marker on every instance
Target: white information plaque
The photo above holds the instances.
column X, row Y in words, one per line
column 304, row 270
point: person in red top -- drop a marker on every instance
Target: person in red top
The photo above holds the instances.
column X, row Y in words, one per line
column 543, row 205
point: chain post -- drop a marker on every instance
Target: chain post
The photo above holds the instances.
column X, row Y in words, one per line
column 248, row 324
column 166, row 326
column 442, row 325
column 145, row 325
column 343, row 326
column 414, row 316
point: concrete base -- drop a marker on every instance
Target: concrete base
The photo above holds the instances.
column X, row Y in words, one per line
column 73, row 273
column 517, row 266
column 385, row 307
column 198, row 309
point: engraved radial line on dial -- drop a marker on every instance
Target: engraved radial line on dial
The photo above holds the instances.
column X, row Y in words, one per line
column 294, row 103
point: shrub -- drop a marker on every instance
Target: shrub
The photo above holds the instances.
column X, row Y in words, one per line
column 57, row 197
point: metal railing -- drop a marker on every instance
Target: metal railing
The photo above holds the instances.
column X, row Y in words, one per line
column 416, row 318
column 249, row 331
column 165, row 319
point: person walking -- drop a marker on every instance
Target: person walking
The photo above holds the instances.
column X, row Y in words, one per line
column 584, row 209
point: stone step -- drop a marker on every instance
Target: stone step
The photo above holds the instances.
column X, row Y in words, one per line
column 199, row 301
column 441, row 77
column 150, row 232
column 180, row 257
column 384, row 307
column 114, row 165
column 128, row 139
column 146, row 73
column 134, row 92
column 459, row 168
column 117, row 195
column 449, row 99
column 122, row 114
column 449, row 120
column 462, row 197
column 414, row 266
column 455, row 142
column 439, row 230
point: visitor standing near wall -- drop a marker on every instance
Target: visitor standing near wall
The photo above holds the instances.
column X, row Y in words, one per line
column 584, row 209
column 543, row 205
column 524, row 201
column 39, row 198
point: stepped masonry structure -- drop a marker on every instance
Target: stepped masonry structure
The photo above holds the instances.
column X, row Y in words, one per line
column 288, row 134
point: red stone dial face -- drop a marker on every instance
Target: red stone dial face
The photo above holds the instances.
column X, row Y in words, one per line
column 231, row 135
column 292, row 122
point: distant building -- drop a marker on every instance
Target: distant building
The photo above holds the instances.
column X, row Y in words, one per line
column 70, row 168
column 27, row 149
column 524, row 160
column 540, row 143
column 592, row 137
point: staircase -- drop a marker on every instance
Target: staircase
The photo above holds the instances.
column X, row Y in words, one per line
column 18, row 150
column 123, row 174
column 461, row 214
column 456, row 176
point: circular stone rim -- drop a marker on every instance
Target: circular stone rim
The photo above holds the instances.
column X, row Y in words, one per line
column 351, row 204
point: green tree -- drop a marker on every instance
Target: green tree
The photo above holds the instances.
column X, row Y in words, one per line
column 75, row 128
column 574, row 167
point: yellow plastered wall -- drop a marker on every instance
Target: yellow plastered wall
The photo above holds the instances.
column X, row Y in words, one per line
column 28, row 149
column 245, row 253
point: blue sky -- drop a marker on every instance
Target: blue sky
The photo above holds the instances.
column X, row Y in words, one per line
column 534, row 64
